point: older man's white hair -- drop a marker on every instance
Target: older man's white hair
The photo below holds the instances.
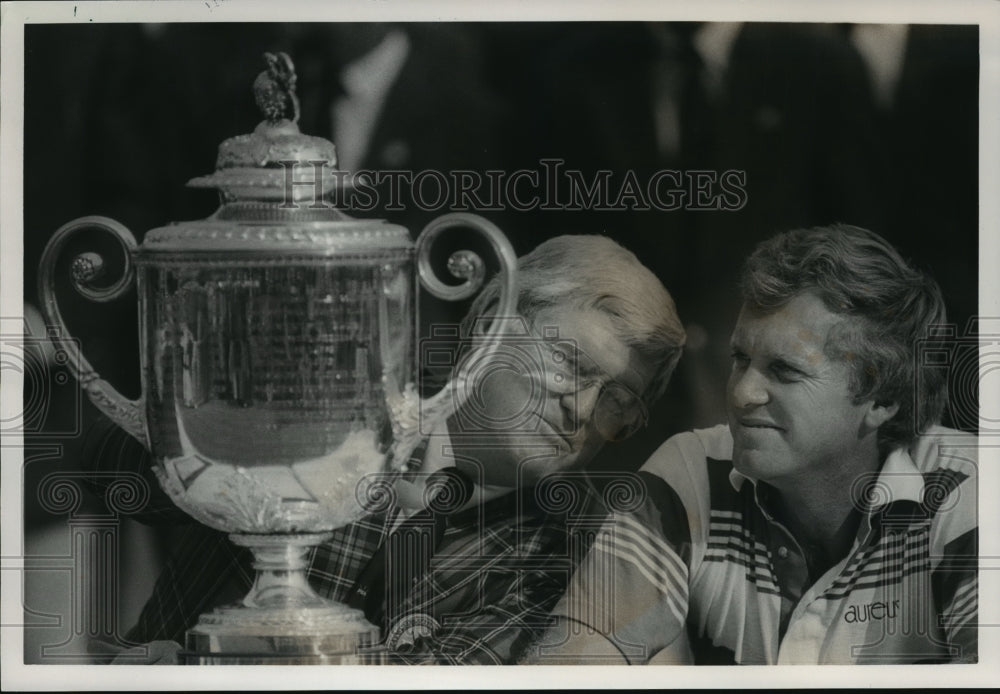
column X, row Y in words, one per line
column 595, row 272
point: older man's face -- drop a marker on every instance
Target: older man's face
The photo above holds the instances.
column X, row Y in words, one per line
column 536, row 401
column 792, row 415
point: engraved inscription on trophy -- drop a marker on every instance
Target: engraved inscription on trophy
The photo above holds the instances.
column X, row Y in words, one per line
column 279, row 369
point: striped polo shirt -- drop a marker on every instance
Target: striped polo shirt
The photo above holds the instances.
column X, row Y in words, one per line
column 703, row 561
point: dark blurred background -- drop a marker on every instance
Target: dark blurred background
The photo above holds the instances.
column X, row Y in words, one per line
column 868, row 125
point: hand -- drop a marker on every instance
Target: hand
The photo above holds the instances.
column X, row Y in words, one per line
column 153, row 653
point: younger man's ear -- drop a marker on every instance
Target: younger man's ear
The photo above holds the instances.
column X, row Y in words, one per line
column 879, row 413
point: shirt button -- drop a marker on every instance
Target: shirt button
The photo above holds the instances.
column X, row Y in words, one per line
column 783, row 552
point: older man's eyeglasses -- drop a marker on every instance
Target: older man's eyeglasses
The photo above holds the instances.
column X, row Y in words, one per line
column 618, row 412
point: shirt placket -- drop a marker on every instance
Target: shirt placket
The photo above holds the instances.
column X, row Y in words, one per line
column 790, row 569
column 803, row 619
column 810, row 620
column 788, row 564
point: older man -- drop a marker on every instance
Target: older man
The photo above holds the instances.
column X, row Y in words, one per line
column 831, row 521
column 595, row 341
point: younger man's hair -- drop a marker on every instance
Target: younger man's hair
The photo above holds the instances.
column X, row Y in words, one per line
column 859, row 274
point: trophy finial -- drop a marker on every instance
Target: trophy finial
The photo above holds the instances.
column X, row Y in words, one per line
column 253, row 166
column 274, row 89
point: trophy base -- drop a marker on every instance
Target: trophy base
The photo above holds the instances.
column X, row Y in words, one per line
column 282, row 621
column 332, row 635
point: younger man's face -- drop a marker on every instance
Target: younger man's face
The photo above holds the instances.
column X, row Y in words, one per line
column 535, row 402
column 791, row 411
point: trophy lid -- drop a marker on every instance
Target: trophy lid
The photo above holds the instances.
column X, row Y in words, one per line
column 254, row 166
column 250, row 167
column 274, row 184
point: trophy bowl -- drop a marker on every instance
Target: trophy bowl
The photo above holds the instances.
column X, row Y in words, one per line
column 277, row 353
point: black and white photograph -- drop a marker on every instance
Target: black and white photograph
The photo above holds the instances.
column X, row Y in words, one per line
column 351, row 336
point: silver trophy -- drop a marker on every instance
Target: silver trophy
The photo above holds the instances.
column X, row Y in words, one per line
column 277, row 349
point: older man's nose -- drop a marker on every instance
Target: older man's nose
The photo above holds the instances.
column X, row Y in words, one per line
column 579, row 406
column 748, row 388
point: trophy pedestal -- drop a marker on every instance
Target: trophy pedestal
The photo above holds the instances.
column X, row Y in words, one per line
column 282, row 621
column 337, row 635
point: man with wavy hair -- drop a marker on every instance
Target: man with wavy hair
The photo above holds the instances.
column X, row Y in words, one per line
column 832, row 520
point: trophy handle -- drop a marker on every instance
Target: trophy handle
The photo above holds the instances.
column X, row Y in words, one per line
column 468, row 266
column 128, row 414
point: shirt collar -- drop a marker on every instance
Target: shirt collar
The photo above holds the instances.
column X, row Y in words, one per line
column 737, row 479
column 898, row 480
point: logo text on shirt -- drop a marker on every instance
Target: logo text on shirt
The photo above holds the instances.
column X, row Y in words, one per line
column 871, row 611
